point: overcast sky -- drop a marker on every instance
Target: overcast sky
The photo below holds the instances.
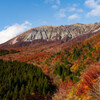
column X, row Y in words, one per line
column 17, row 16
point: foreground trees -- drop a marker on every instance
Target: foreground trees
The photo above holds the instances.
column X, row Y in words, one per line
column 20, row 79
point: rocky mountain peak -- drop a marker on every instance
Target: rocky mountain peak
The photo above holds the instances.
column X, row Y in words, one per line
column 52, row 33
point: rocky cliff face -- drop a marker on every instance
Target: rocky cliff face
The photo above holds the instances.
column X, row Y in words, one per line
column 50, row 33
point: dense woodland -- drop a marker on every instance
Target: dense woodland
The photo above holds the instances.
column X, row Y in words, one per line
column 17, row 80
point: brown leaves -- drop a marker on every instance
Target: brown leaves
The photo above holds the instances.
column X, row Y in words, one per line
column 89, row 78
column 66, row 85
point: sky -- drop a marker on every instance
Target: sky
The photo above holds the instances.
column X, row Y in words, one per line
column 17, row 16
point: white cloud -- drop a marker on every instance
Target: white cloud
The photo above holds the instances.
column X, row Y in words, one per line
column 74, row 5
column 53, row 1
column 61, row 14
column 47, row 1
column 94, row 12
column 58, row 2
column 98, row 1
column 74, row 16
column 95, row 6
column 79, row 10
column 11, row 31
column 73, row 9
column 54, row 6
column 91, row 3
column 70, row 9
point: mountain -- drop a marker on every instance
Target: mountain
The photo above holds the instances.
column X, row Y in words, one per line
column 49, row 34
column 57, row 69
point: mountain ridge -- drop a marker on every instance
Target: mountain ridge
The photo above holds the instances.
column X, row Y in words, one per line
column 49, row 34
